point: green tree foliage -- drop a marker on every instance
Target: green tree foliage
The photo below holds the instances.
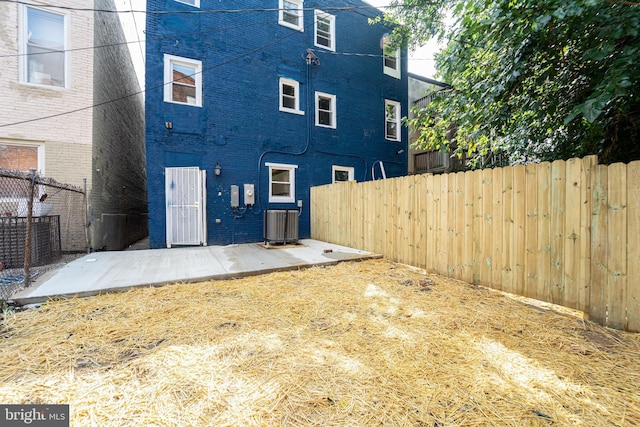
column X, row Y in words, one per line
column 535, row 79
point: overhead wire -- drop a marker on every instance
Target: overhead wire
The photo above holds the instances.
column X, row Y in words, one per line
column 366, row 55
column 135, row 25
column 238, row 57
column 230, row 60
column 195, row 33
column 207, row 11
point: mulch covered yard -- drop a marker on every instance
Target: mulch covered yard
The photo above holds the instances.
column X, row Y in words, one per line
column 357, row 344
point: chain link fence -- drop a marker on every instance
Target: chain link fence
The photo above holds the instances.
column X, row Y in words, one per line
column 40, row 220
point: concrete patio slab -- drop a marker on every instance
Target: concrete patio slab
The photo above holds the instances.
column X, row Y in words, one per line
column 103, row 272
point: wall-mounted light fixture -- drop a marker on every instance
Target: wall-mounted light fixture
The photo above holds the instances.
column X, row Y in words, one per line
column 217, row 169
column 169, row 126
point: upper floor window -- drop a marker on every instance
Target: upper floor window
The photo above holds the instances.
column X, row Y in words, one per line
column 195, row 3
column 391, row 62
column 290, row 96
column 290, row 14
column 182, row 80
column 341, row 173
column 392, row 120
column 325, row 30
column 45, row 45
column 282, row 183
column 325, row 110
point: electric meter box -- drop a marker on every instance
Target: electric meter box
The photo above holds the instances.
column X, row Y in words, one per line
column 249, row 195
column 235, row 196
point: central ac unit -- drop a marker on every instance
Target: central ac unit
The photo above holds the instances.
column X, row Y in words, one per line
column 280, row 226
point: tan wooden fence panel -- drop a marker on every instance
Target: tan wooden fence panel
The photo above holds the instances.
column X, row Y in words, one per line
column 617, row 245
column 543, row 239
column 564, row 232
column 599, row 222
column 633, row 248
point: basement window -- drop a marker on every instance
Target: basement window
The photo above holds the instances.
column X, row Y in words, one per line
column 341, row 173
column 22, row 156
column 282, row 183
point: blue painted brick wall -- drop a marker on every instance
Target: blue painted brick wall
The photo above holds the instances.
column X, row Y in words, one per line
column 240, row 125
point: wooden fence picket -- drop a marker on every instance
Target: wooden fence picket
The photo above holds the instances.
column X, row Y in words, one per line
column 564, row 232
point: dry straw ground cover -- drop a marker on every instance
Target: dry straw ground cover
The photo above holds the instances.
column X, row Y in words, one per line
column 356, row 344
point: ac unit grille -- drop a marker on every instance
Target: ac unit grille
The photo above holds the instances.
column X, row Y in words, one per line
column 281, row 226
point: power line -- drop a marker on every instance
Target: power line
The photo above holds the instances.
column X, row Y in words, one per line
column 135, row 25
column 366, row 55
column 200, row 11
column 236, row 58
column 201, row 72
column 197, row 33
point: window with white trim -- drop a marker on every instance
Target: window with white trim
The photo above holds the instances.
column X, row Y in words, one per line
column 22, row 156
column 341, row 173
column 392, row 116
column 290, row 96
column 391, row 63
column 195, row 3
column 44, row 35
column 182, row 80
column 282, row 183
column 325, row 25
column 291, row 14
column 325, row 110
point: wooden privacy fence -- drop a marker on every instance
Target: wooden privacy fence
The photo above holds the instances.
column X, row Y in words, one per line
column 564, row 232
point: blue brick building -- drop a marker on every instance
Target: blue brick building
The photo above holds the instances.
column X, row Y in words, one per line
column 271, row 96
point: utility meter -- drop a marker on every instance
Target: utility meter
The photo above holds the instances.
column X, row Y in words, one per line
column 235, row 196
column 249, row 195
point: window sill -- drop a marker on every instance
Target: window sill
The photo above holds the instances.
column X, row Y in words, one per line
column 287, row 110
column 183, row 103
column 44, row 86
column 281, row 200
column 332, row 48
column 325, row 126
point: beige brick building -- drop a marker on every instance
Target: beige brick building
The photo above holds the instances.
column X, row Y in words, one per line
column 72, row 108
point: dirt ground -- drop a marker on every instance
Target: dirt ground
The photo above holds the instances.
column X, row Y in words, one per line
column 358, row 344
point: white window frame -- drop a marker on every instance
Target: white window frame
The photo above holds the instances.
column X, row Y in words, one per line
column 296, row 85
column 196, row 3
column 332, row 30
column 291, row 198
column 300, row 13
column 397, row 120
column 38, row 145
column 348, row 169
column 169, row 60
column 390, row 71
column 24, row 38
column 332, row 111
